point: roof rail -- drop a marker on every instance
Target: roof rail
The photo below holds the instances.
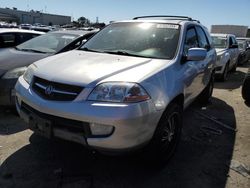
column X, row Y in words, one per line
column 171, row 17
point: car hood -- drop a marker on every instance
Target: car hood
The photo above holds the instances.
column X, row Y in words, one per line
column 86, row 68
column 11, row 58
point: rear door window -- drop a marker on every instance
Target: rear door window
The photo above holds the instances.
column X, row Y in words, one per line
column 7, row 39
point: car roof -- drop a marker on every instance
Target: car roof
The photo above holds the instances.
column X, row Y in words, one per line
column 222, row 35
column 180, row 20
column 15, row 30
column 243, row 38
column 74, row 32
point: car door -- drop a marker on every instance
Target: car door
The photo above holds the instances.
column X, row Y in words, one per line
column 206, row 66
column 192, row 80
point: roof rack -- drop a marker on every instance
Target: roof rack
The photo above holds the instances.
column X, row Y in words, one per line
column 170, row 17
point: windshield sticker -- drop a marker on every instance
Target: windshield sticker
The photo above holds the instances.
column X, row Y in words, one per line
column 68, row 37
column 167, row 26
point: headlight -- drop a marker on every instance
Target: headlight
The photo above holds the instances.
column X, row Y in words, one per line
column 14, row 73
column 119, row 92
column 27, row 76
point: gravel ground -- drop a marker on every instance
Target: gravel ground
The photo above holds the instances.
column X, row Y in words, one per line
column 214, row 152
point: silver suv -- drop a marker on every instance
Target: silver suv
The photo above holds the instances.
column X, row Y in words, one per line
column 125, row 88
column 227, row 54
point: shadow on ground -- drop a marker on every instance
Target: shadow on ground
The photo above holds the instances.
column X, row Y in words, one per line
column 8, row 122
column 235, row 80
column 201, row 160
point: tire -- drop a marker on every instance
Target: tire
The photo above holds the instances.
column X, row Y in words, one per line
column 224, row 75
column 234, row 67
column 207, row 92
column 166, row 136
column 246, row 87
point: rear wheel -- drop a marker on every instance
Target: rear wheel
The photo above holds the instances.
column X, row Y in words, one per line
column 166, row 136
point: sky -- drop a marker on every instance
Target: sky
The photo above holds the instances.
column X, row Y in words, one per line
column 209, row 12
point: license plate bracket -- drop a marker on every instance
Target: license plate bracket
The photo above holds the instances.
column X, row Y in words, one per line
column 40, row 125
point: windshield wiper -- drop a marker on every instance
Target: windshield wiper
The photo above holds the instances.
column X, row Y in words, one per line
column 121, row 52
column 30, row 50
column 90, row 50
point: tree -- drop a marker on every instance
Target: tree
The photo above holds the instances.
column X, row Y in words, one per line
column 83, row 21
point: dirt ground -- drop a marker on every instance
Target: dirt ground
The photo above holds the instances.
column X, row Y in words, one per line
column 214, row 152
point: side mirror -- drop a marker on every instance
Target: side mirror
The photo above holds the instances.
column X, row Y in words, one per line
column 83, row 41
column 196, row 54
column 234, row 46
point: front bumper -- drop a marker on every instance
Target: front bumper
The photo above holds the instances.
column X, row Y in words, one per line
column 7, row 91
column 134, row 124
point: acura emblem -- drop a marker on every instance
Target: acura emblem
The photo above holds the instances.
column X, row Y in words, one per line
column 49, row 89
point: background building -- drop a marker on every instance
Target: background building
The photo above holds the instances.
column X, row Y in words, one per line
column 237, row 30
column 31, row 17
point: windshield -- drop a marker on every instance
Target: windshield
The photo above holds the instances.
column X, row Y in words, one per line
column 48, row 43
column 241, row 45
column 150, row 40
column 219, row 42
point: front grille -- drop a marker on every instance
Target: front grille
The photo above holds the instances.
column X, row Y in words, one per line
column 55, row 91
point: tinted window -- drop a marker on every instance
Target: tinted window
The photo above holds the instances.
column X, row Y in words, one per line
column 26, row 36
column 191, row 40
column 230, row 41
column 203, row 43
column 7, row 39
column 234, row 40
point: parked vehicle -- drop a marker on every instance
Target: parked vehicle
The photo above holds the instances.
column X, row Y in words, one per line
column 244, row 47
column 14, row 61
column 227, row 54
column 125, row 88
column 246, row 87
column 14, row 37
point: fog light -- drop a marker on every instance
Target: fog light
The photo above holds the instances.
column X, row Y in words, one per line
column 101, row 129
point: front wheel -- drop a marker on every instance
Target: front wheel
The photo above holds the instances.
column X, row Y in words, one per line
column 166, row 136
column 224, row 75
column 207, row 92
column 235, row 67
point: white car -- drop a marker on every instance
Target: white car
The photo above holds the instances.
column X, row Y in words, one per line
column 13, row 37
column 227, row 54
column 124, row 89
